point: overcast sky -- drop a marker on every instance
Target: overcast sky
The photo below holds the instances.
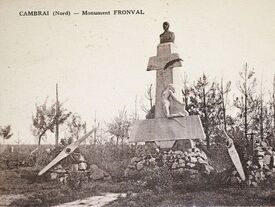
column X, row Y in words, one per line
column 100, row 62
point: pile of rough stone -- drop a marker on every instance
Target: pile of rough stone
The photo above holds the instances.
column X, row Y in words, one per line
column 192, row 162
column 262, row 165
column 77, row 163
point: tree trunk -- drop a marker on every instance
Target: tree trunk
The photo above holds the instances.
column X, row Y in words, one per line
column 261, row 112
column 261, row 121
column 39, row 140
column 223, row 107
column 122, row 147
column 245, row 105
column 41, row 135
column 185, row 92
column 245, row 117
column 274, row 107
column 57, row 118
column 206, row 119
column 150, row 97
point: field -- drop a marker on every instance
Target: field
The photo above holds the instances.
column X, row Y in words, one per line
column 231, row 196
column 43, row 193
column 21, row 187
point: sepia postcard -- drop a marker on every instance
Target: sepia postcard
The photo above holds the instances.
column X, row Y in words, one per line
column 137, row 103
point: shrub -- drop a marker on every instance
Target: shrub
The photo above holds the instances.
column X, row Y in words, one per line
column 159, row 179
column 76, row 180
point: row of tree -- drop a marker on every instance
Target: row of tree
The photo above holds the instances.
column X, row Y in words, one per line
column 248, row 114
column 48, row 116
column 244, row 115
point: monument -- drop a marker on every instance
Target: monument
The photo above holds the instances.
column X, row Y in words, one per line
column 168, row 121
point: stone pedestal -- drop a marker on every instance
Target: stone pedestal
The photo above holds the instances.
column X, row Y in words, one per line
column 165, row 49
column 163, row 129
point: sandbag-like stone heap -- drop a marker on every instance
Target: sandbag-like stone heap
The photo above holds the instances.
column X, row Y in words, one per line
column 192, row 162
column 261, row 166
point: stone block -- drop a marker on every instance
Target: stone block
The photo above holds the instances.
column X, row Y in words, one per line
column 165, row 49
column 158, row 63
column 139, row 166
column 165, row 144
column 163, row 129
column 183, row 144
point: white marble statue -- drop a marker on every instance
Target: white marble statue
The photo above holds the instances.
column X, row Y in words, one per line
column 171, row 105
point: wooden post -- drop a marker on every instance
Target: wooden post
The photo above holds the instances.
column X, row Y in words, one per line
column 57, row 116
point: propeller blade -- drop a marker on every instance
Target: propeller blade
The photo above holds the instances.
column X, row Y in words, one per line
column 65, row 152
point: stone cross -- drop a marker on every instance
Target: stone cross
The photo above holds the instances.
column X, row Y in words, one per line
column 162, row 129
column 165, row 74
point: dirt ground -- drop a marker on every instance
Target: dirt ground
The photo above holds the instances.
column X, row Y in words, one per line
column 231, row 196
column 20, row 187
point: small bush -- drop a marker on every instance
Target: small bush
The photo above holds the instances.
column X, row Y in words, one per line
column 159, row 179
column 76, row 180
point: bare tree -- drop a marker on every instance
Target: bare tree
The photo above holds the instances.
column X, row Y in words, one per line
column 223, row 93
column 57, row 113
column 246, row 102
column 119, row 127
column 135, row 111
column 185, row 91
column 269, row 117
column 45, row 119
column 148, row 96
column 96, row 126
column 76, row 126
column 261, row 112
column 205, row 102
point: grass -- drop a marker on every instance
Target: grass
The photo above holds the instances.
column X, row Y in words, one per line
column 38, row 191
column 232, row 196
column 41, row 192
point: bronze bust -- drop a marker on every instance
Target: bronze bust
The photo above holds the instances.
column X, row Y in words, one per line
column 167, row 36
